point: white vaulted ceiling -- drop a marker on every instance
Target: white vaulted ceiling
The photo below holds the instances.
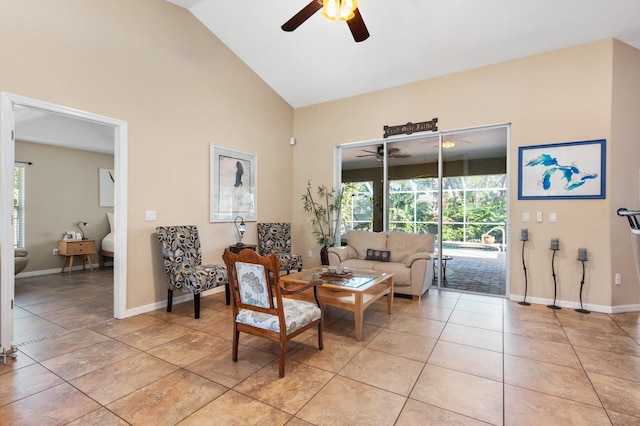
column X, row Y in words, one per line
column 410, row 40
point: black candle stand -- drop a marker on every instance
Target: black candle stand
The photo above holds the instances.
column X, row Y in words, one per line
column 555, row 284
column 582, row 310
column 524, row 267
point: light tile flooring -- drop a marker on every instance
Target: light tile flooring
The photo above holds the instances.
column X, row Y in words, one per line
column 453, row 358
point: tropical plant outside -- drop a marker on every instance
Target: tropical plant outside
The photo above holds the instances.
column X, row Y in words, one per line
column 472, row 206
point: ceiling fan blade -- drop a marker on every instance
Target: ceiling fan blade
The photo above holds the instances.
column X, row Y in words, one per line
column 366, row 155
column 299, row 18
column 358, row 28
column 399, row 155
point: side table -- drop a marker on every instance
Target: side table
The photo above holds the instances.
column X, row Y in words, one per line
column 235, row 249
column 443, row 261
column 72, row 248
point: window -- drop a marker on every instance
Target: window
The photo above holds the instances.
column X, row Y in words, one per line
column 357, row 206
column 18, row 205
column 472, row 206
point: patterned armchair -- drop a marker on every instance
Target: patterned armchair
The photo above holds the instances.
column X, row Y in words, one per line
column 183, row 264
column 259, row 307
column 276, row 238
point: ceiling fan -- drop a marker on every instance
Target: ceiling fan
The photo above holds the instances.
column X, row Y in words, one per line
column 335, row 10
column 379, row 152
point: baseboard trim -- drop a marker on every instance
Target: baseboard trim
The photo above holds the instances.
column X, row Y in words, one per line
column 186, row 297
column 575, row 305
column 54, row 271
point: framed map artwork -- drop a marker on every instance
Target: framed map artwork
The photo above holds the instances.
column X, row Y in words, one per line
column 569, row 170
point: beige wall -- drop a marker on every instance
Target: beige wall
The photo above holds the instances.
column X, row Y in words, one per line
column 62, row 189
column 559, row 96
column 179, row 88
column 153, row 65
column 624, row 169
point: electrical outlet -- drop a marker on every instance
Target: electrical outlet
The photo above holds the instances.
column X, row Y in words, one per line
column 526, row 217
column 56, row 252
column 618, row 278
column 538, row 217
column 310, row 253
column 552, row 217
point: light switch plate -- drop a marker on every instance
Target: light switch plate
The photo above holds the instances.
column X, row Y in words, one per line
column 149, row 215
column 538, row 217
column 525, row 217
column 552, row 217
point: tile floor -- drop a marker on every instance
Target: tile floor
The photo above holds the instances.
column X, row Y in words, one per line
column 453, row 358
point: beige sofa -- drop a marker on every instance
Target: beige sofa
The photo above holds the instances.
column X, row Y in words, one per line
column 408, row 256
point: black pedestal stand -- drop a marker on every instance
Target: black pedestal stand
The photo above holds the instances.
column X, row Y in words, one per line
column 555, row 284
column 582, row 310
column 524, row 267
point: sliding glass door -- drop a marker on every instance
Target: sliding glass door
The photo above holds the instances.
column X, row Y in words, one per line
column 473, row 218
column 450, row 184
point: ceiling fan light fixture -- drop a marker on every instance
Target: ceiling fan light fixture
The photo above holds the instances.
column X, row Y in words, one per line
column 339, row 10
column 448, row 144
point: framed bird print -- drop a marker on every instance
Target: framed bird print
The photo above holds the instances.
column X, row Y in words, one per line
column 233, row 183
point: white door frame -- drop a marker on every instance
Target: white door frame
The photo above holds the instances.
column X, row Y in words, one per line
column 8, row 102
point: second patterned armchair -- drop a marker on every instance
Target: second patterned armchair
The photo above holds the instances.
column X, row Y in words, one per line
column 276, row 238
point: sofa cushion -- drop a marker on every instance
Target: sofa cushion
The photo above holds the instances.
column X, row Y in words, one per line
column 359, row 264
column 402, row 275
column 379, row 255
column 403, row 244
column 363, row 240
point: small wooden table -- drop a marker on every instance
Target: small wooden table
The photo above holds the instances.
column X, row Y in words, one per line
column 354, row 294
column 72, row 248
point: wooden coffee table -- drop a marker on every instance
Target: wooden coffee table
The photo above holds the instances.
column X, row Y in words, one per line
column 354, row 294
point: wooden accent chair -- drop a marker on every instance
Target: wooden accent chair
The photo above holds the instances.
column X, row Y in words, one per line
column 183, row 264
column 259, row 307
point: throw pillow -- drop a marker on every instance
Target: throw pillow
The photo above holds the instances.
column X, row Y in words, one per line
column 379, row 255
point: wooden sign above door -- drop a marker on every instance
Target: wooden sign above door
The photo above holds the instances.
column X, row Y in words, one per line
column 409, row 128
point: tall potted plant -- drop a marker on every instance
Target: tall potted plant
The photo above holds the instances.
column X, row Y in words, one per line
column 325, row 216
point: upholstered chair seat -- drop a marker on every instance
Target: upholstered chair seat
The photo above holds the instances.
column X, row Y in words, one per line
column 21, row 260
column 276, row 238
column 183, row 264
column 259, row 304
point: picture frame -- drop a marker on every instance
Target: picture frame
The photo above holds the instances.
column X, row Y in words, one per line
column 107, row 184
column 568, row 170
column 69, row 236
column 233, row 185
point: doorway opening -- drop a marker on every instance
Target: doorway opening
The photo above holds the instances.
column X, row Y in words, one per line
column 10, row 103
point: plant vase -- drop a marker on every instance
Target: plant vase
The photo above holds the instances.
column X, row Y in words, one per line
column 324, row 255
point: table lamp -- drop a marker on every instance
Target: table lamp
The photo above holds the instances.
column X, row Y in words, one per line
column 241, row 228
